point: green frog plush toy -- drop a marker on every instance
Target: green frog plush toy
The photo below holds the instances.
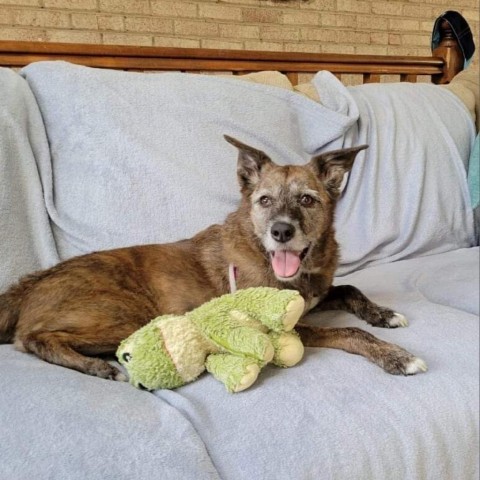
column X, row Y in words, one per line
column 232, row 337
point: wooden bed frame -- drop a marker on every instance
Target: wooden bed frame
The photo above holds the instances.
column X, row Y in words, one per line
column 445, row 63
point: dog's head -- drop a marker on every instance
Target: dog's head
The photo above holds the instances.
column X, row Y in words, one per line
column 291, row 207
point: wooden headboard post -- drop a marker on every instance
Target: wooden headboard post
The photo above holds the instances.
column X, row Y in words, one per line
column 449, row 50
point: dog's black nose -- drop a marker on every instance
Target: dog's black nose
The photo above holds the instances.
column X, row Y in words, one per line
column 282, row 232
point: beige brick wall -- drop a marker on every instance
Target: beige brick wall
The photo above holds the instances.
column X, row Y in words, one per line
column 332, row 26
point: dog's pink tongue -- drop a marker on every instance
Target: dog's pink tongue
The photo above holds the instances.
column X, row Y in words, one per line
column 285, row 263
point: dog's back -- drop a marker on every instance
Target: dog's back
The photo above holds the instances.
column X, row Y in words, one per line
column 88, row 304
column 11, row 303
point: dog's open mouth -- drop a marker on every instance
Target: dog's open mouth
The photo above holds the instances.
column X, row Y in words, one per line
column 286, row 263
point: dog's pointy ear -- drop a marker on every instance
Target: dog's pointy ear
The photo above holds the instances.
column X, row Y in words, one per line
column 332, row 166
column 250, row 163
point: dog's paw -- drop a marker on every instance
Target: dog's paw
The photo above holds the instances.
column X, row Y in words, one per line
column 120, row 377
column 102, row 369
column 401, row 362
column 386, row 318
column 398, row 320
column 417, row 365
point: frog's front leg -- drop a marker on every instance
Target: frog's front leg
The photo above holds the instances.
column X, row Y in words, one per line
column 232, row 332
column 277, row 310
column 288, row 348
column 235, row 372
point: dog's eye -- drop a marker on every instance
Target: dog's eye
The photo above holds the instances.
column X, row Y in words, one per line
column 306, row 200
column 265, row 201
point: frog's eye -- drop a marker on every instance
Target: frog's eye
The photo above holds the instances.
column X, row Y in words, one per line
column 126, row 357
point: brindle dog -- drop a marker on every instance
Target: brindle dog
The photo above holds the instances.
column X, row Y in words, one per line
column 281, row 235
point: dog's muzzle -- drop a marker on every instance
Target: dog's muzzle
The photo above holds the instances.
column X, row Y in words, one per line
column 286, row 253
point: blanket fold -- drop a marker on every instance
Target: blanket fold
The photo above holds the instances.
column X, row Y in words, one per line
column 26, row 238
column 409, row 197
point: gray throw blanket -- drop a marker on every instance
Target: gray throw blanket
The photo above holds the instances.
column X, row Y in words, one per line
column 26, row 241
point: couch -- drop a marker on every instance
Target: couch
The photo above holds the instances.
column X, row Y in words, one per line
column 94, row 159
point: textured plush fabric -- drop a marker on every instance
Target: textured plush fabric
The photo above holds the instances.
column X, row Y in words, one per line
column 333, row 416
column 171, row 350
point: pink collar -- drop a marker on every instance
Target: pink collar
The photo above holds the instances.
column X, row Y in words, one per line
column 232, row 277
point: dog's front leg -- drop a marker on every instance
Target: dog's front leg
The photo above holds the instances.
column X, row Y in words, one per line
column 352, row 300
column 392, row 358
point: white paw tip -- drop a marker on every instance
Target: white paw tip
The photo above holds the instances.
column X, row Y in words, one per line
column 398, row 320
column 417, row 365
column 120, row 377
